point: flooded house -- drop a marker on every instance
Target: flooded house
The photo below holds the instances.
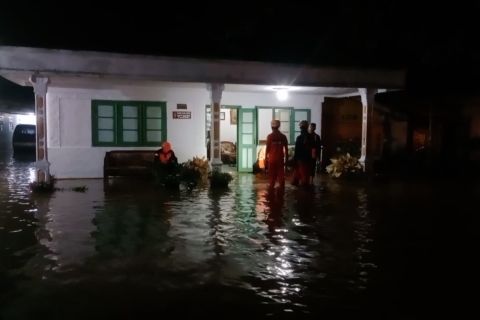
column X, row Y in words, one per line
column 88, row 103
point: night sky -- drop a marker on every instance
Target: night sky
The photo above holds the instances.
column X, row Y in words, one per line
column 432, row 42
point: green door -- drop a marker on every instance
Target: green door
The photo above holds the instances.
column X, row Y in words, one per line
column 247, row 146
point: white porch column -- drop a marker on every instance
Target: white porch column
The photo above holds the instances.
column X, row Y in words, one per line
column 40, row 85
column 216, row 90
column 368, row 98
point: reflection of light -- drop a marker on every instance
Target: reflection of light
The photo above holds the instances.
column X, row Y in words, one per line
column 26, row 118
column 363, row 228
column 284, row 270
column 31, row 174
column 297, row 222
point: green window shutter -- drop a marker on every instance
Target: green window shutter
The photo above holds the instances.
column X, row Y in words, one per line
column 128, row 123
column 155, row 119
column 128, row 132
column 103, row 123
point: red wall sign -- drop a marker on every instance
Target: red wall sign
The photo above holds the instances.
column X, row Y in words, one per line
column 182, row 115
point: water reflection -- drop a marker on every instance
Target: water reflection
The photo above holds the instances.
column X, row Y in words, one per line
column 363, row 226
column 284, row 251
column 17, row 221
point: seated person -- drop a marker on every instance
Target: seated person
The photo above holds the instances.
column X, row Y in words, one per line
column 165, row 158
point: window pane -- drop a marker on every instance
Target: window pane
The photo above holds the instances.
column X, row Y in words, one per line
column 130, row 111
column 130, row 136
column 154, row 136
column 131, row 124
column 247, row 128
column 105, row 111
column 105, row 123
column 301, row 115
column 264, row 128
column 128, row 123
column 154, row 112
column 154, row 124
column 284, row 116
column 105, row 135
column 247, row 138
column 285, row 128
column 247, row 117
column 247, row 159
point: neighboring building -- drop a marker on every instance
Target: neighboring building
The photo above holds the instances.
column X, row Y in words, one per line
column 96, row 102
column 431, row 133
column 16, row 104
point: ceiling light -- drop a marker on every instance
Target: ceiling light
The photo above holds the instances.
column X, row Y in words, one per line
column 282, row 94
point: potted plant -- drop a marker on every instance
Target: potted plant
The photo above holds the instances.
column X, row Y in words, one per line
column 344, row 165
column 194, row 171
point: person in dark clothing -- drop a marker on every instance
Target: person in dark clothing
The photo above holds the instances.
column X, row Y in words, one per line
column 317, row 144
column 304, row 154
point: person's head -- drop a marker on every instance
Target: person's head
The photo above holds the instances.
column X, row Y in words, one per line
column 166, row 146
column 312, row 127
column 303, row 125
column 275, row 124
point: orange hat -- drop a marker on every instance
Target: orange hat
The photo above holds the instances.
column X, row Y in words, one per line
column 166, row 146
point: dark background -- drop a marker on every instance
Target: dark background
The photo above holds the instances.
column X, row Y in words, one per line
column 436, row 43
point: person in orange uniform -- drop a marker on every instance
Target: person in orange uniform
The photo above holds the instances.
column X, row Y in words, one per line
column 166, row 158
column 276, row 155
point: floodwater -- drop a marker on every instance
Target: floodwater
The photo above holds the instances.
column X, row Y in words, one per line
column 356, row 249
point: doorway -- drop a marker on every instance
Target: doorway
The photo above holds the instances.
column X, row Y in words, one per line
column 228, row 133
column 341, row 127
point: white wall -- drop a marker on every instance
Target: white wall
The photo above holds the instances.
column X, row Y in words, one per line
column 70, row 133
column 69, row 122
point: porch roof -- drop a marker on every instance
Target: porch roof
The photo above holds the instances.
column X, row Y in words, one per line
column 18, row 63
